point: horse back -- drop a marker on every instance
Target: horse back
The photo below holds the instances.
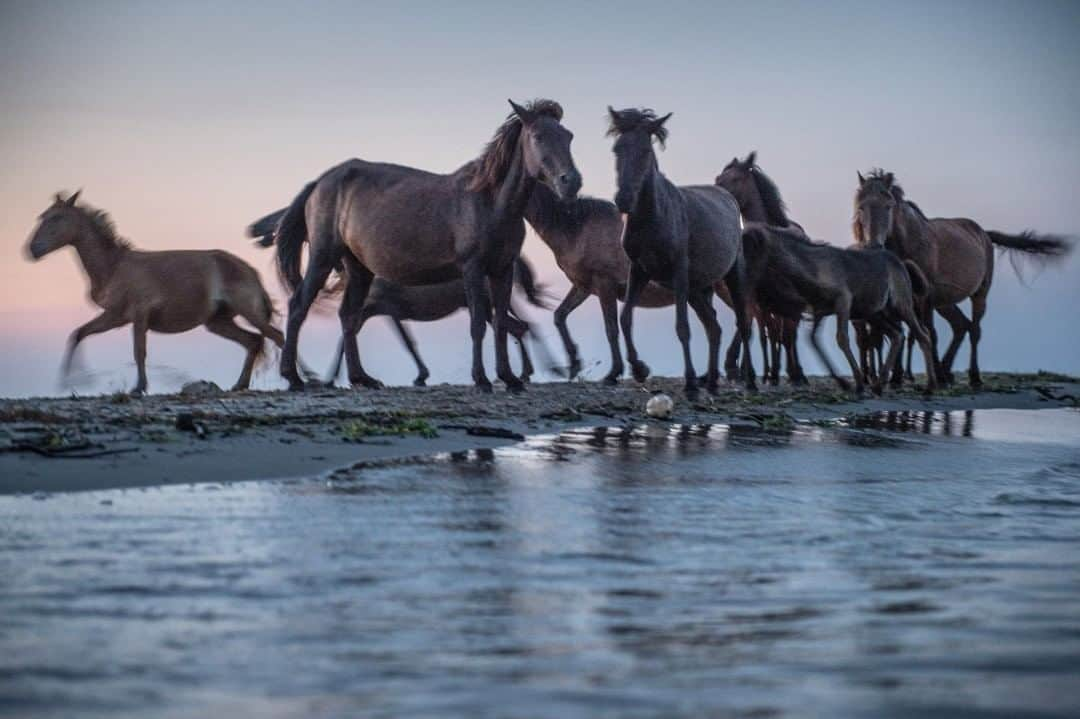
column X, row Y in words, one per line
column 963, row 258
column 715, row 229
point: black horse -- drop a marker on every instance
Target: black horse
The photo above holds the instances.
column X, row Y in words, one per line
column 684, row 238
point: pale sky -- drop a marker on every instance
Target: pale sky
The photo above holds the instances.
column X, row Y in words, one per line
column 188, row 120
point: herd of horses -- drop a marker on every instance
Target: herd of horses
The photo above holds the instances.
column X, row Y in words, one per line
column 417, row 245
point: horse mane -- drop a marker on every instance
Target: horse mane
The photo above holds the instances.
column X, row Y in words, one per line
column 488, row 170
column 912, row 205
column 546, row 212
column 103, row 225
column 632, row 119
column 775, row 208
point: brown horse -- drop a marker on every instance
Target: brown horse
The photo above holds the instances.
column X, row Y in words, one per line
column 420, row 303
column 585, row 235
column 956, row 255
column 760, row 202
column 171, row 291
column 414, row 227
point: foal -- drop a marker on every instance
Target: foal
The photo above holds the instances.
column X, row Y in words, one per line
column 869, row 284
column 171, row 291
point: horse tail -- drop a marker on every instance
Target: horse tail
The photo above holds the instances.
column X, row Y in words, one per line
column 919, row 284
column 290, row 235
column 525, row 278
column 262, row 229
column 1041, row 249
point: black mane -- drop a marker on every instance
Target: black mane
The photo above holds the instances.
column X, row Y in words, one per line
column 775, row 208
column 633, row 118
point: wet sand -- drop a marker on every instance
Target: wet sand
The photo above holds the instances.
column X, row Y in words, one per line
column 92, row 443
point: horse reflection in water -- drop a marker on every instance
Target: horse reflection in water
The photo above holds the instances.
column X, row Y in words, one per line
column 945, row 424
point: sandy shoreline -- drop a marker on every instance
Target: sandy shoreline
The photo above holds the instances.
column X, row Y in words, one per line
column 90, row 443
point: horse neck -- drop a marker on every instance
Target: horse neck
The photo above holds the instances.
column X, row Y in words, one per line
column 512, row 192
column 659, row 198
column 543, row 216
column 911, row 235
column 99, row 256
column 754, row 210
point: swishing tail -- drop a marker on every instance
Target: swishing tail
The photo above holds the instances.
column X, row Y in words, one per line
column 262, row 229
column 1040, row 249
column 537, row 339
column 919, row 284
column 525, row 278
column 335, row 367
column 290, row 236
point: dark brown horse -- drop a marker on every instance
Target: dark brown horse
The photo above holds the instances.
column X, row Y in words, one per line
column 956, row 255
column 414, row 227
column 760, row 202
column 684, row 238
column 872, row 285
column 430, row 303
column 171, row 291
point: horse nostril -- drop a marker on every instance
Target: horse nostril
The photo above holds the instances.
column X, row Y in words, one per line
column 564, row 179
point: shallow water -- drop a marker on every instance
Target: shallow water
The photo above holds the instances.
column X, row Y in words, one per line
column 904, row 564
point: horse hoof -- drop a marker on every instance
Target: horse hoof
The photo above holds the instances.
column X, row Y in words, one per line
column 976, row 383
column 641, row 370
column 484, row 387
column 515, row 387
column 844, row 384
column 574, row 369
column 878, row 389
column 419, row 382
column 691, row 392
column 611, row 379
column 712, row 388
column 137, row 393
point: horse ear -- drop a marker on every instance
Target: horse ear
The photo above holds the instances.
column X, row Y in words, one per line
column 658, row 124
column 71, row 200
column 889, row 177
column 751, row 159
column 613, row 114
column 524, row 114
column 862, row 180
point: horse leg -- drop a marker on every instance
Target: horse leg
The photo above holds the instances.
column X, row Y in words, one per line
column 790, row 335
column 609, row 307
column 740, row 299
column 139, row 329
column 353, row 313
column 681, row 285
column 896, row 343
column 844, row 385
column 502, row 286
column 909, row 371
column 960, row 327
column 978, row 309
column 635, row 284
column 573, row 299
column 763, row 340
column 518, row 328
column 320, row 264
column 842, row 321
column 224, row 326
column 907, row 314
column 862, row 343
column 476, row 296
column 410, row 344
column 104, row 322
column 701, row 301
column 776, row 332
